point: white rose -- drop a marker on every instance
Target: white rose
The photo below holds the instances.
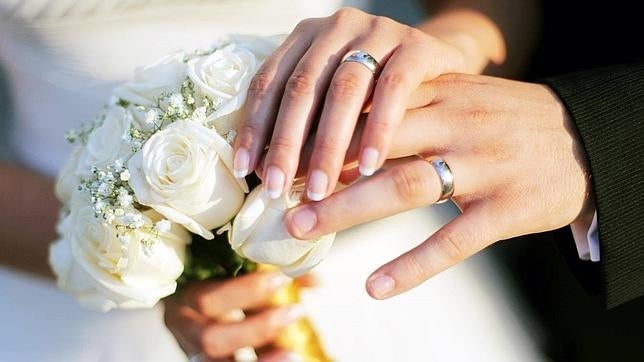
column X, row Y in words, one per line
column 105, row 272
column 68, row 180
column 184, row 173
column 107, row 143
column 165, row 75
column 259, row 234
column 224, row 76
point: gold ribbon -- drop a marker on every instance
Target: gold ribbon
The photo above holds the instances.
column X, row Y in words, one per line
column 300, row 337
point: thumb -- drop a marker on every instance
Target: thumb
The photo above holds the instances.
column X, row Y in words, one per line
column 459, row 239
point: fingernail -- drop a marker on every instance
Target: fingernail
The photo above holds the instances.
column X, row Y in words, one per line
column 241, row 163
column 304, row 220
column 292, row 357
column 368, row 161
column 318, row 183
column 382, row 285
column 293, row 313
column 274, row 182
column 278, row 281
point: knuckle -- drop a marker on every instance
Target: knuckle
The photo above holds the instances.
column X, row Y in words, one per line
column 282, row 143
column 260, row 84
column 328, row 146
column 478, row 116
column 301, row 83
column 202, row 302
column 415, row 35
column 379, row 22
column 343, row 14
column 409, row 184
column 346, row 85
column 451, row 78
column 248, row 130
column 211, row 345
column 303, row 24
column 379, row 125
column 392, row 80
column 415, row 268
column 453, row 244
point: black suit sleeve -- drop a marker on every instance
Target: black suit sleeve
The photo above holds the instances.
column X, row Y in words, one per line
column 607, row 106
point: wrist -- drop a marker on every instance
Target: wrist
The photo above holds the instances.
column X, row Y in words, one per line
column 476, row 37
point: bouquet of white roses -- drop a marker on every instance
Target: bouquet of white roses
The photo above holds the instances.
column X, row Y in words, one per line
column 151, row 179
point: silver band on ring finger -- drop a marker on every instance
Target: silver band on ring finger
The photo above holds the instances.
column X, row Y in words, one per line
column 364, row 58
column 445, row 175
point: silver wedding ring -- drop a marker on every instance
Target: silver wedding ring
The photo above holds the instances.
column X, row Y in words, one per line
column 364, row 58
column 445, row 175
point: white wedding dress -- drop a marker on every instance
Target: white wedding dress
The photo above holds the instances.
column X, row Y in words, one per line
column 63, row 57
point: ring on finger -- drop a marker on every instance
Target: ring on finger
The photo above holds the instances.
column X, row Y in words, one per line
column 445, row 175
column 364, row 58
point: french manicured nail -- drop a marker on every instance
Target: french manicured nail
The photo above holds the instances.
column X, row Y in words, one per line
column 292, row 357
column 368, row 161
column 278, row 281
column 274, row 182
column 318, row 182
column 382, row 285
column 293, row 313
column 241, row 163
column 304, row 220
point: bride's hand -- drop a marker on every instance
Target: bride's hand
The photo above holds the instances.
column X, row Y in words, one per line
column 305, row 76
column 518, row 165
column 199, row 317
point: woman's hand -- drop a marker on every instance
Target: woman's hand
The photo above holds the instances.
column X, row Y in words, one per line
column 518, row 165
column 201, row 321
column 305, row 78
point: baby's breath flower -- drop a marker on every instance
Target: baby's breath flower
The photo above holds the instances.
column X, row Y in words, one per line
column 104, row 189
column 199, row 115
column 125, row 176
column 163, row 226
column 125, row 200
column 133, row 220
column 124, row 239
column 109, row 217
column 151, row 116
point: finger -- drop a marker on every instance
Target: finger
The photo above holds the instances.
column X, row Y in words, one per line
column 306, row 281
column 403, row 72
column 215, row 299
column 303, row 93
column 400, row 188
column 462, row 237
column 264, row 94
column 221, row 340
column 424, row 129
column 423, row 95
column 280, row 356
column 184, row 322
column 407, row 69
column 348, row 91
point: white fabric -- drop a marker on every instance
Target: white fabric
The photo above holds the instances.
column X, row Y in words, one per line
column 64, row 56
column 587, row 240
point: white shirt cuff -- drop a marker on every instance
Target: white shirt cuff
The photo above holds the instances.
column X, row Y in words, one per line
column 587, row 239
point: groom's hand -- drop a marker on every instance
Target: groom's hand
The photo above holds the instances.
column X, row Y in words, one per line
column 203, row 319
column 518, row 168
